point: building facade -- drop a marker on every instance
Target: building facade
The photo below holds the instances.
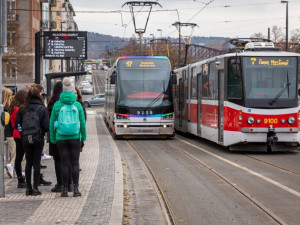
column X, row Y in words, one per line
column 24, row 19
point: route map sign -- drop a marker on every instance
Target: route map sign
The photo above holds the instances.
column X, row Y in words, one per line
column 65, row 45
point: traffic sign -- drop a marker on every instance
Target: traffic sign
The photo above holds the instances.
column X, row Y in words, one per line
column 65, row 45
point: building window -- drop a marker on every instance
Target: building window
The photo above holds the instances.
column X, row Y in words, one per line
column 11, row 70
column 11, row 10
column 11, row 39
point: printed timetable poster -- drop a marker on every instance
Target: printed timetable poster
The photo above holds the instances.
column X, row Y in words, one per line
column 65, row 45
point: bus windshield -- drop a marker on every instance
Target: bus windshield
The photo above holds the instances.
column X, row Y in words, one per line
column 271, row 78
column 148, row 86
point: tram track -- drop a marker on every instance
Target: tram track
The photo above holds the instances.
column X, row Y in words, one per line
column 273, row 165
column 160, row 194
column 163, row 199
column 96, row 83
column 232, row 184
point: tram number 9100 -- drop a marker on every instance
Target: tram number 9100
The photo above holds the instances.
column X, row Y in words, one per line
column 270, row 121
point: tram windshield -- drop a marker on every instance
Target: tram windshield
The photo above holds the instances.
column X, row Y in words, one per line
column 144, row 83
column 273, row 79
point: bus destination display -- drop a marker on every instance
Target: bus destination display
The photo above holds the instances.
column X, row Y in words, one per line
column 65, row 45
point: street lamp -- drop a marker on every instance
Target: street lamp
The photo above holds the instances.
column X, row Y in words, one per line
column 160, row 32
column 287, row 25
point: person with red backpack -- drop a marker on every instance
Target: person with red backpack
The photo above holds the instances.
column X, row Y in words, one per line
column 68, row 130
column 32, row 121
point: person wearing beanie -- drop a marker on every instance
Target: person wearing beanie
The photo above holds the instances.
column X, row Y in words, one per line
column 53, row 150
column 69, row 146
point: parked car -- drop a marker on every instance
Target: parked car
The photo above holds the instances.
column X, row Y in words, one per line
column 89, row 79
column 98, row 99
column 87, row 89
column 84, row 82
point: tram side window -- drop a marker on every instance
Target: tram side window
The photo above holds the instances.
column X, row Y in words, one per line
column 235, row 90
column 213, row 80
column 185, row 77
column 193, row 83
column 209, row 84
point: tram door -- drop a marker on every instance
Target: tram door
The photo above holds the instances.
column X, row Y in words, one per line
column 221, row 104
column 181, row 101
column 199, row 96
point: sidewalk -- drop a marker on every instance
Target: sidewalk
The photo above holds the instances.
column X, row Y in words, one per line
column 101, row 185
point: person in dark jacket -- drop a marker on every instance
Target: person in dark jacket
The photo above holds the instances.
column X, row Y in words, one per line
column 34, row 151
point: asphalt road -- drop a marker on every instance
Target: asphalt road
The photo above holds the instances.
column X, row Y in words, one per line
column 202, row 183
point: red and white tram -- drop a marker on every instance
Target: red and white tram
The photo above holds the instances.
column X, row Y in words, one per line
column 246, row 100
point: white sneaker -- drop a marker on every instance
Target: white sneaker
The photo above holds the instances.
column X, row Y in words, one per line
column 23, row 174
column 10, row 170
column 45, row 156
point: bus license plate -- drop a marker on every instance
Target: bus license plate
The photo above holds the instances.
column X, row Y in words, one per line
column 145, row 131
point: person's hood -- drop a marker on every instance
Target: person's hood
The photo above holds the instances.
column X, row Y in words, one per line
column 67, row 97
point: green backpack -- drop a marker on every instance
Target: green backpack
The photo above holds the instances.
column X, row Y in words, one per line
column 68, row 120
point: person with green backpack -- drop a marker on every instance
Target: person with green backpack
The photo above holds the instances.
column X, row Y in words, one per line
column 68, row 131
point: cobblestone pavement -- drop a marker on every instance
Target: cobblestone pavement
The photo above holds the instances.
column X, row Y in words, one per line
column 100, row 184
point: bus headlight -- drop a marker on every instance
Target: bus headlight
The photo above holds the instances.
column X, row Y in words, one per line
column 291, row 120
column 250, row 120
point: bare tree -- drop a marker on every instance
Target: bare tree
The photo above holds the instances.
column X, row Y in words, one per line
column 257, row 35
column 277, row 34
column 295, row 41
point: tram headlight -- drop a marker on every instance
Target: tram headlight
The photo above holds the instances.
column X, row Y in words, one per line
column 283, row 121
column 250, row 120
column 122, row 117
column 258, row 121
column 168, row 117
column 291, row 120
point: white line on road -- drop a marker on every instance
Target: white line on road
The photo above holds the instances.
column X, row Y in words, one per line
column 245, row 169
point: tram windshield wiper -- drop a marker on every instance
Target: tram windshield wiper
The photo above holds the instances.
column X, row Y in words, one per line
column 274, row 100
column 156, row 98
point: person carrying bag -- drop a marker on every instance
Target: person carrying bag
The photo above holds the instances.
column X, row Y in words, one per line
column 68, row 131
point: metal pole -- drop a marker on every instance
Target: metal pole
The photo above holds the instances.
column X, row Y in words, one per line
column 179, row 47
column 37, row 58
column 287, row 26
column 269, row 34
column 3, row 43
column 61, row 61
column 141, row 43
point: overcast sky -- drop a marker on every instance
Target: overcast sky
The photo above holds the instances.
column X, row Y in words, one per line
column 226, row 18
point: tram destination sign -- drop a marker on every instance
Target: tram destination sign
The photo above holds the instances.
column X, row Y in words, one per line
column 65, row 44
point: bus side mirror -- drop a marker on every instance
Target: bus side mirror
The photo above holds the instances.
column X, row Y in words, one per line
column 299, row 92
column 113, row 78
column 173, row 78
column 236, row 69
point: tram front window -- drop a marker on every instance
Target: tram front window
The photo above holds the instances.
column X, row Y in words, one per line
column 270, row 81
column 144, row 88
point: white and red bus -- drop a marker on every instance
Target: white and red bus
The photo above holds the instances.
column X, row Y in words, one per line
column 246, row 100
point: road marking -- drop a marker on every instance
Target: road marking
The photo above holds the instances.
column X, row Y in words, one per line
column 245, row 169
